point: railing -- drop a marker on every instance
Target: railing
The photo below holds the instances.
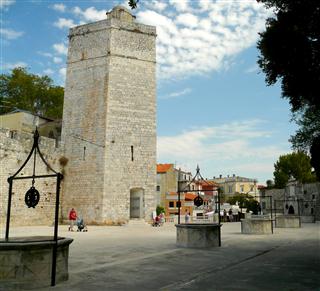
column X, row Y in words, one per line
column 193, row 219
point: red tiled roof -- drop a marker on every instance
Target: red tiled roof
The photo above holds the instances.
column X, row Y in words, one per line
column 207, row 183
column 190, row 196
column 163, row 168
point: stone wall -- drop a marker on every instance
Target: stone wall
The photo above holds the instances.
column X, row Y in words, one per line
column 306, row 193
column 109, row 119
column 14, row 149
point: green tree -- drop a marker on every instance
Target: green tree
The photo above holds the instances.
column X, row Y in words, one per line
column 297, row 165
column 290, row 53
column 37, row 94
column 133, row 3
column 290, row 50
column 308, row 120
column 315, row 156
column 270, row 184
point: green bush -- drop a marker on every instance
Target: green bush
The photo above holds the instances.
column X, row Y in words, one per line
column 160, row 209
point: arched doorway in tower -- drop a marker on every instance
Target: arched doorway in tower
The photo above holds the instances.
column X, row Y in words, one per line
column 136, row 203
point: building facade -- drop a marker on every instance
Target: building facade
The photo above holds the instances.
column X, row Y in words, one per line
column 25, row 121
column 168, row 179
column 166, row 182
column 232, row 185
column 109, row 129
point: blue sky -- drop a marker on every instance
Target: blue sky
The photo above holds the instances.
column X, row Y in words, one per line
column 214, row 108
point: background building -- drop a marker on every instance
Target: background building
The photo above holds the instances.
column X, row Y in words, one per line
column 24, row 121
column 232, row 185
column 168, row 178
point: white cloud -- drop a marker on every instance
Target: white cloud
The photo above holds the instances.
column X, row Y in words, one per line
column 187, row 19
column 252, row 69
column 157, row 5
column 90, row 14
column 180, row 5
column 64, row 23
column 57, row 60
column 48, row 71
column 45, row 54
column 10, row 66
column 63, row 72
column 10, row 33
column 193, row 37
column 176, row 94
column 59, row 7
column 241, row 143
column 4, row 4
column 60, row 48
column 200, row 37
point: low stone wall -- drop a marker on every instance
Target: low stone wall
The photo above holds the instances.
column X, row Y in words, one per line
column 256, row 226
column 289, row 221
column 307, row 218
column 26, row 263
column 196, row 235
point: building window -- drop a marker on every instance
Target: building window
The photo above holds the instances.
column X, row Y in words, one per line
column 13, row 134
column 158, row 188
column 132, row 153
column 241, row 188
column 251, row 188
column 230, row 189
column 171, row 204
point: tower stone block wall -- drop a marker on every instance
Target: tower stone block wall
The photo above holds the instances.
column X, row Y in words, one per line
column 109, row 119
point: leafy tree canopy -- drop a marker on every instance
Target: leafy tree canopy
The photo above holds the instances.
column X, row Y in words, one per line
column 37, row 94
column 290, row 53
column 133, row 3
column 315, row 156
column 297, row 165
column 290, row 50
column 270, row 184
column 308, row 120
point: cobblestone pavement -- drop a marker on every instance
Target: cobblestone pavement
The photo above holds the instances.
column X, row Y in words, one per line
column 141, row 257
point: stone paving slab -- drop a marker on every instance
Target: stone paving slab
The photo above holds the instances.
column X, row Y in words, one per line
column 141, row 257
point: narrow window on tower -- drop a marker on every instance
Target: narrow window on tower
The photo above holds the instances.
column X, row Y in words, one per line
column 132, row 153
column 84, row 153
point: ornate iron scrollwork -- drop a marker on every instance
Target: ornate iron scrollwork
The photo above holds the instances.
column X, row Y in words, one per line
column 198, row 201
column 32, row 197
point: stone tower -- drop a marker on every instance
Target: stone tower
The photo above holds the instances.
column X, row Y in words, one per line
column 109, row 120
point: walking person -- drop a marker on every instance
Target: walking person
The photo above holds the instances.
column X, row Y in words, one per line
column 187, row 217
column 230, row 215
column 224, row 215
column 72, row 218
